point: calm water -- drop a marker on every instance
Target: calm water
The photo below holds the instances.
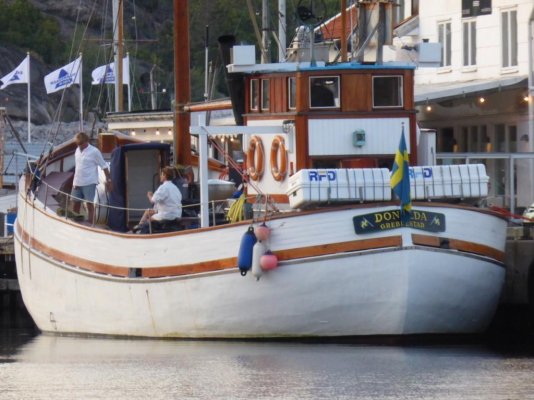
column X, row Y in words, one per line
column 65, row 368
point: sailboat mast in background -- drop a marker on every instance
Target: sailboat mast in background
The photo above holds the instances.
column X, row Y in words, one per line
column 182, row 86
column 118, row 7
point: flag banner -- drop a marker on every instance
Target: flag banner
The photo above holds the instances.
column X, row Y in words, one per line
column 106, row 73
column 63, row 77
column 400, row 179
column 21, row 74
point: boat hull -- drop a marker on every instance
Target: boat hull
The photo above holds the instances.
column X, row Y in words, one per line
column 324, row 287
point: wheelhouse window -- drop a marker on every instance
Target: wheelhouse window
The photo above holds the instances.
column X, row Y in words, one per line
column 444, row 37
column 254, row 94
column 387, row 91
column 470, row 43
column 265, row 94
column 509, row 38
column 324, row 92
column 292, row 93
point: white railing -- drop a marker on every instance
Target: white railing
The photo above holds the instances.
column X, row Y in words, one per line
column 511, row 158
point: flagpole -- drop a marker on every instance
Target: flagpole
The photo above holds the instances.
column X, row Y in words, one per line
column 80, row 70
column 129, row 90
column 29, row 98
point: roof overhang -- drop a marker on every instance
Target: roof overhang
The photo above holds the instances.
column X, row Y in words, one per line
column 456, row 90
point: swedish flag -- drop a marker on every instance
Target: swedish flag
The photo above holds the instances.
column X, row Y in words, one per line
column 400, row 179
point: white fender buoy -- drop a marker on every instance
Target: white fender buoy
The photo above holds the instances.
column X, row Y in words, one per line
column 258, row 251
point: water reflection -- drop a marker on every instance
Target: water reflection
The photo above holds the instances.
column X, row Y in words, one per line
column 63, row 367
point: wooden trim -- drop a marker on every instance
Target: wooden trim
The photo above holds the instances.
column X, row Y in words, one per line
column 277, row 198
column 71, row 259
column 460, row 245
column 189, row 269
column 335, row 248
column 209, row 106
column 212, row 265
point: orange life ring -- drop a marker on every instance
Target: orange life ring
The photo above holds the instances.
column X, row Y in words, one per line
column 278, row 146
column 255, row 156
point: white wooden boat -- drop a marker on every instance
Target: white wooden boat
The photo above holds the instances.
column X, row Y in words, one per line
column 347, row 265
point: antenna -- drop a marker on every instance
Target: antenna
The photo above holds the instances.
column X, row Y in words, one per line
column 312, row 14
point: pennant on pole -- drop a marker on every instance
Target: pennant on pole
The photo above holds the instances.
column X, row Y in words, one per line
column 106, row 73
column 63, row 77
column 21, row 74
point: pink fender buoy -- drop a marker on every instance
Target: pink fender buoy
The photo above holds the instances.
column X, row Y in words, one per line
column 268, row 261
column 262, row 232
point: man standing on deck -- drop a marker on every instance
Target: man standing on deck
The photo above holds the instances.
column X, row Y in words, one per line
column 88, row 158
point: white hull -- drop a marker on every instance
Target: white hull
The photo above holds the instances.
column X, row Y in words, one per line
column 351, row 285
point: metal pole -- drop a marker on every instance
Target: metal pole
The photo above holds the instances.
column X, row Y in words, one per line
column 343, row 30
column 203, row 173
column 118, row 51
column 80, row 72
column 206, row 63
column 282, row 30
column 265, row 28
column 29, row 98
column 152, row 88
column 512, row 184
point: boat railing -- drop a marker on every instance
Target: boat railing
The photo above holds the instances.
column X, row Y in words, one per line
column 64, row 200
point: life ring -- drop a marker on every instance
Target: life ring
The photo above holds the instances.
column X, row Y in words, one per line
column 278, row 146
column 255, row 156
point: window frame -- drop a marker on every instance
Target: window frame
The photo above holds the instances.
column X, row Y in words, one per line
column 400, row 88
column 265, row 91
column 291, row 98
column 469, row 42
column 338, row 79
column 446, row 43
column 509, row 45
column 254, row 94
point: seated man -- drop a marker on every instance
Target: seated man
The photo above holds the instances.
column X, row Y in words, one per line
column 167, row 202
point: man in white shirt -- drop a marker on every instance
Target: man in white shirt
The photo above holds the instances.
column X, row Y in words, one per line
column 88, row 158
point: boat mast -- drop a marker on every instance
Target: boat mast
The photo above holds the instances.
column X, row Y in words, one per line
column 118, row 7
column 265, row 32
column 282, row 30
column 344, row 30
column 182, row 87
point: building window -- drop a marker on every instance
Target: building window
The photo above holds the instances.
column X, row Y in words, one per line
column 265, row 94
column 470, row 43
column 324, row 92
column 509, row 38
column 444, row 37
column 254, row 92
column 387, row 91
column 292, row 93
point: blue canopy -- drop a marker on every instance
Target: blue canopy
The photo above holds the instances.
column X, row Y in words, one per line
column 117, row 198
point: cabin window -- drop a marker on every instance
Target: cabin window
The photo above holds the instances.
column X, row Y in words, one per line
column 324, row 92
column 265, row 94
column 387, row 91
column 254, row 94
column 292, row 89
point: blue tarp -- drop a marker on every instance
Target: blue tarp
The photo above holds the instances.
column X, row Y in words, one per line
column 117, row 198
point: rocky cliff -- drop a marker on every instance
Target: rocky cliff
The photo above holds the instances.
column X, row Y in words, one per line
column 142, row 25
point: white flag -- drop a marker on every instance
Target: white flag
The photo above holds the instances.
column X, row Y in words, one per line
column 63, row 77
column 20, row 74
column 106, row 73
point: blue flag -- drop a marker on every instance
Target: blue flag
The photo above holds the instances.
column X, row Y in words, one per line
column 400, row 179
